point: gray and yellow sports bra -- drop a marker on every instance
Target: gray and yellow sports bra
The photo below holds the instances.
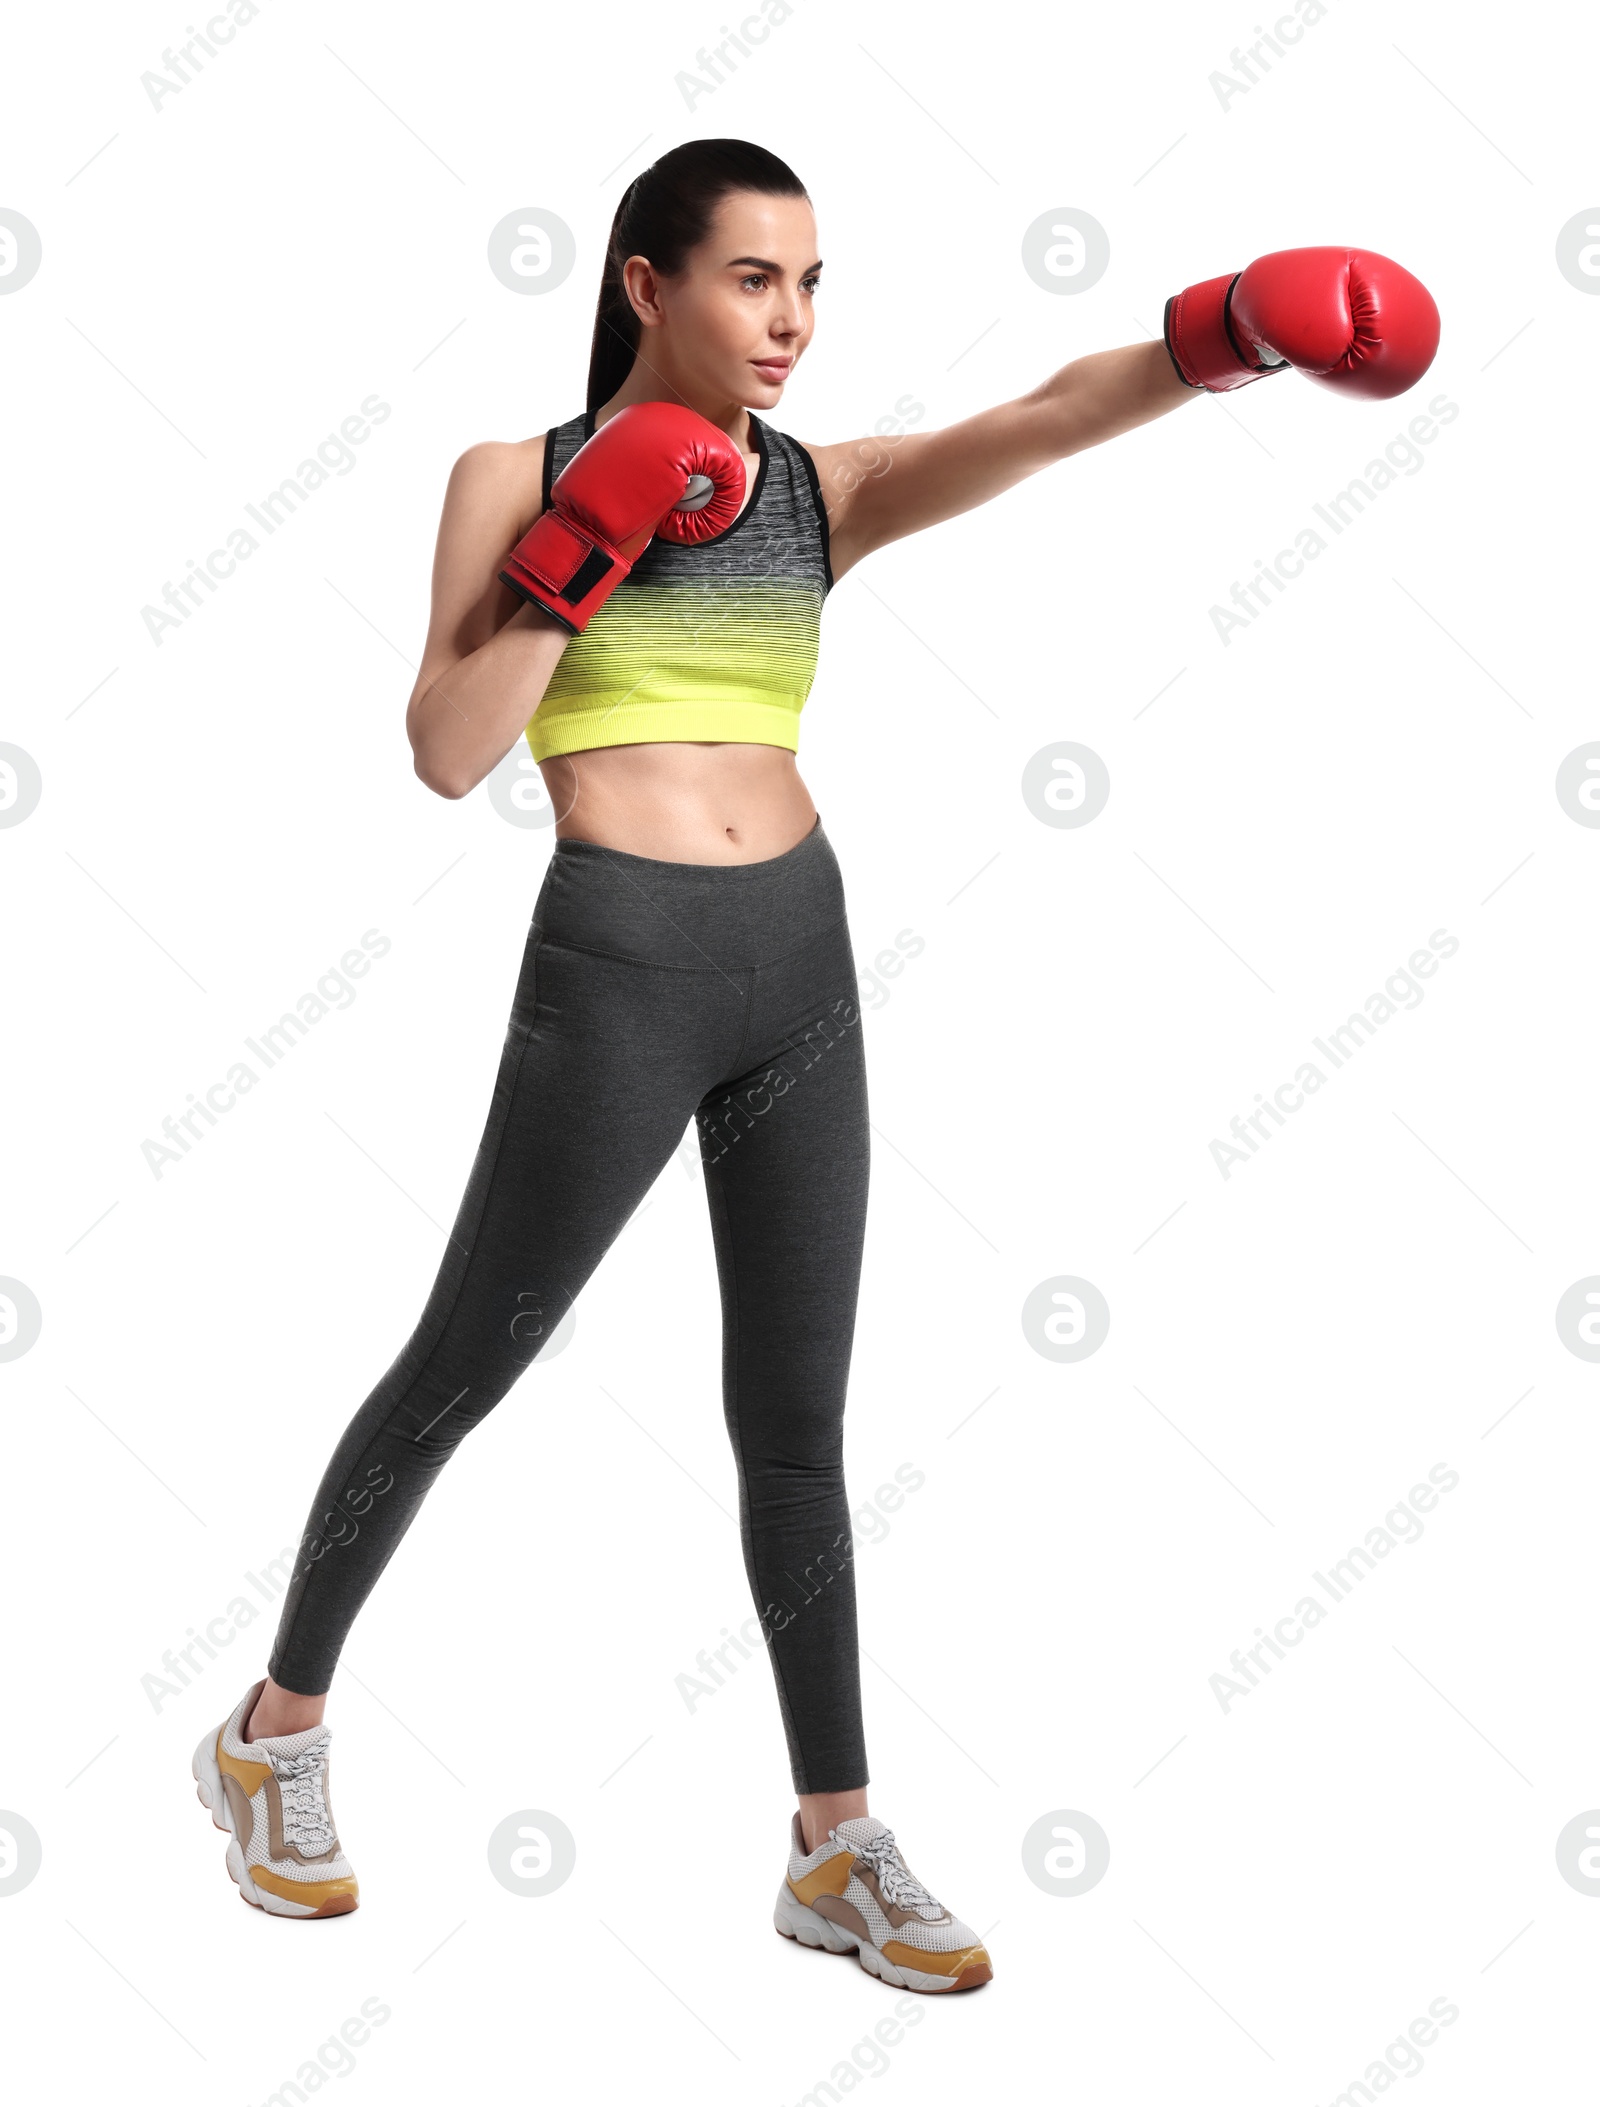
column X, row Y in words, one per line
column 714, row 640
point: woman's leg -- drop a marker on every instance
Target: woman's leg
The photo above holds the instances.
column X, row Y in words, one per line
column 785, row 1149
column 605, row 1059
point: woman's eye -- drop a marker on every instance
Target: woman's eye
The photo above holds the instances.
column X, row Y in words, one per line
column 755, row 278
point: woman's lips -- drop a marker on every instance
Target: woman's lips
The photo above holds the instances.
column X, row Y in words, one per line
column 772, row 368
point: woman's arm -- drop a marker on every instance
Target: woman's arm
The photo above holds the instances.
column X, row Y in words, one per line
column 489, row 655
column 876, row 490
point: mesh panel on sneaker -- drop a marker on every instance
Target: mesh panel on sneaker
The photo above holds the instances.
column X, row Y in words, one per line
column 278, row 1744
column 875, row 1846
column 927, row 1938
column 258, row 1852
column 860, row 1829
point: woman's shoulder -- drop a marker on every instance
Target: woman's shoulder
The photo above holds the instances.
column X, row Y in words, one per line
column 503, row 475
column 502, row 460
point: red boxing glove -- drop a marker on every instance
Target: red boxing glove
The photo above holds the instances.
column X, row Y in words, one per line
column 655, row 467
column 1346, row 317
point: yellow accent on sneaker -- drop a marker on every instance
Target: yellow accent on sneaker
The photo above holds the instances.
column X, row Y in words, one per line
column 970, row 1961
column 252, row 1776
column 830, row 1878
column 313, row 1893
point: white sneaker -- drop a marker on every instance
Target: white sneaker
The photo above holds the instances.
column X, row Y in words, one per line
column 856, row 1894
column 270, row 1797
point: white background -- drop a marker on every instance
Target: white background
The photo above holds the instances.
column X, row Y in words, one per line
column 1292, row 1881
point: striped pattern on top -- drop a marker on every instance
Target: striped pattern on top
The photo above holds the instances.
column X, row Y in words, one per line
column 714, row 641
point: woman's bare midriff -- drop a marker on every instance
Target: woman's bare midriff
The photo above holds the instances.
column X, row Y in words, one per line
column 684, row 801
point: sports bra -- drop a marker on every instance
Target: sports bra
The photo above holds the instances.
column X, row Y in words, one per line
column 711, row 640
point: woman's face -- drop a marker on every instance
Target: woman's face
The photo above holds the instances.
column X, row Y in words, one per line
column 730, row 327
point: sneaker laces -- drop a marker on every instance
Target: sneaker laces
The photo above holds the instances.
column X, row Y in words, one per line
column 896, row 1881
column 306, row 1821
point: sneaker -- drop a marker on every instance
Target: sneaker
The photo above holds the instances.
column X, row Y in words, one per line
column 856, row 1894
column 270, row 1797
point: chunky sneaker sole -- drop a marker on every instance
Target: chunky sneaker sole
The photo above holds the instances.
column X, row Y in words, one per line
column 855, row 1894
column 265, row 1796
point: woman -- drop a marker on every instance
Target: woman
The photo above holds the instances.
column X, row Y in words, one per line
column 653, row 631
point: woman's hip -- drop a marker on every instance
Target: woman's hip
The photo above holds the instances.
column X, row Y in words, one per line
column 704, row 917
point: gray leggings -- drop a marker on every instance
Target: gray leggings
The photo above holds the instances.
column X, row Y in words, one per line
column 651, row 994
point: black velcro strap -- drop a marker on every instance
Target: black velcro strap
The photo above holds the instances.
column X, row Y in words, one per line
column 587, row 576
column 1245, row 353
column 543, row 606
column 1166, row 338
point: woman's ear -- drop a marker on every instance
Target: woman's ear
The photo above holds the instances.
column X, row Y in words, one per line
column 643, row 289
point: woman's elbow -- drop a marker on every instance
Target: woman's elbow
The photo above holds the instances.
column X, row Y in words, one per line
column 434, row 771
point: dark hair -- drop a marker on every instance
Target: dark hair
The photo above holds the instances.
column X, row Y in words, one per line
column 665, row 212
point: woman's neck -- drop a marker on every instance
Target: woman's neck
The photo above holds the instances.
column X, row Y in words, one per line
column 645, row 384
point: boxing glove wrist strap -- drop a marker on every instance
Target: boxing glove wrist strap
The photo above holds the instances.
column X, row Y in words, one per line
column 1202, row 344
column 566, row 571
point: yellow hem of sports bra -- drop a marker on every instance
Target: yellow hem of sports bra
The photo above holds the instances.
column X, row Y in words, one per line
column 637, row 724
